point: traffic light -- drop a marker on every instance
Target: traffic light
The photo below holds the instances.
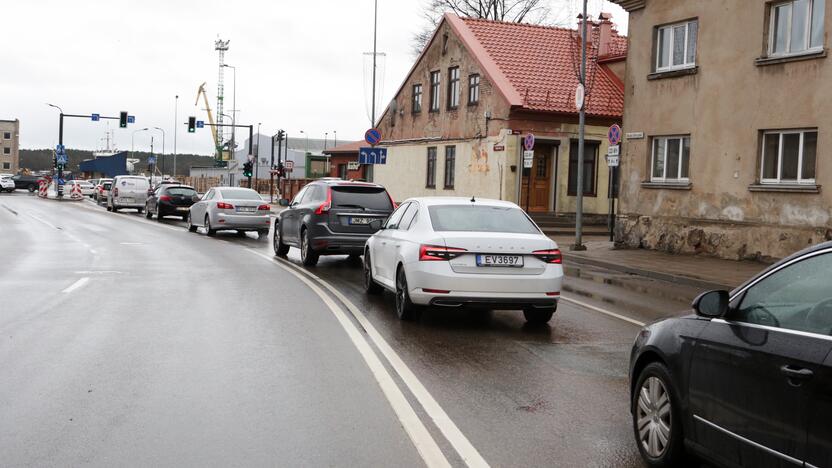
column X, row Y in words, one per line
column 281, row 171
column 247, row 169
column 122, row 119
column 280, row 135
column 191, row 124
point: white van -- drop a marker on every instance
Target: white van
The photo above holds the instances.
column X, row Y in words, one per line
column 128, row 192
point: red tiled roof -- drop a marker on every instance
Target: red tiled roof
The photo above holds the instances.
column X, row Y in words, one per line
column 534, row 67
column 351, row 147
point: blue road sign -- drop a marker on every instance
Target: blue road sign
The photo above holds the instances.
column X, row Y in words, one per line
column 131, row 119
column 528, row 142
column 614, row 134
column 96, row 117
column 61, row 158
column 372, row 136
column 59, row 148
column 200, row 124
column 151, row 159
column 372, row 156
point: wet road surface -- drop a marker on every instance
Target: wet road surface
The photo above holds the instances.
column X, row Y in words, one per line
column 183, row 349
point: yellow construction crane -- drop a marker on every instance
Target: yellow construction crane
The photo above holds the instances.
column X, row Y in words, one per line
column 217, row 143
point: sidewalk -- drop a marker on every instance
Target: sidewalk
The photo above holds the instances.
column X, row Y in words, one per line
column 690, row 270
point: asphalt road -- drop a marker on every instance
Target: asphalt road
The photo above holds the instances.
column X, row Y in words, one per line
column 129, row 341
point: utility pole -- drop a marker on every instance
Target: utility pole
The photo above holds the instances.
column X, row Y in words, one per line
column 175, row 131
column 579, row 202
column 375, row 54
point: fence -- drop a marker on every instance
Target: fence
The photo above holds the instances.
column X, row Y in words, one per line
column 200, row 184
column 289, row 188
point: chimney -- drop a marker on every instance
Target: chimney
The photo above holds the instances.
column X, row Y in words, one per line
column 581, row 27
column 605, row 34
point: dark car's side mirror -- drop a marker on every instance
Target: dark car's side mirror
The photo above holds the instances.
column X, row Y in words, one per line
column 377, row 224
column 711, row 304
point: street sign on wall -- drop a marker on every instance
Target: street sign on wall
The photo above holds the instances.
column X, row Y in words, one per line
column 353, row 165
column 372, row 156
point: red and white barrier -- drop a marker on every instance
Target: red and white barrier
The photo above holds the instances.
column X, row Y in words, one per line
column 42, row 188
column 76, row 194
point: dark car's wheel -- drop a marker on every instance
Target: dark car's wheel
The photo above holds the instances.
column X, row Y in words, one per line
column 159, row 215
column 32, row 188
column 140, row 210
column 309, row 256
column 370, row 286
column 656, row 420
column 280, row 249
column 405, row 309
column 208, row 229
column 191, row 227
column 538, row 316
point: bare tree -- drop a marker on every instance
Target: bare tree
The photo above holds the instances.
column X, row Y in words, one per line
column 514, row 11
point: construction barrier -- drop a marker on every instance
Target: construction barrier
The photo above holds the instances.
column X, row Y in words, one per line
column 76, row 194
column 43, row 186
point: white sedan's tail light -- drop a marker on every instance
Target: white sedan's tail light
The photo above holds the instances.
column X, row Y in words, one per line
column 436, row 253
column 549, row 256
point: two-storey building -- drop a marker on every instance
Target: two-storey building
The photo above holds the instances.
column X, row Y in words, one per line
column 9, row 146
column 726, row 120
column 456, row 124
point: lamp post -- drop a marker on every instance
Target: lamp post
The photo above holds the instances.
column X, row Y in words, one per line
column 326, row 134
column 163, row 147
column 59, row 172
column 133, row 140
column 307, row 139
column 257, row 158
column 234, row 107
column 175, row 131
column 579, row 192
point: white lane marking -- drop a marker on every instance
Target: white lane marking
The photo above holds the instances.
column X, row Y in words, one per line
column 38, row 218
column 133, row 218
column 449, row 429
column 76, row 285
column 416, row 430
column 131, row 243
column 602, row 311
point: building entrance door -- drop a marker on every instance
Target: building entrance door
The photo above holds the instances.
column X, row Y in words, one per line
column 539, row 178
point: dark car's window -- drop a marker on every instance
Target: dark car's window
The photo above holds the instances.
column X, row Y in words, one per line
column 368, row 197
column 107, row 185
column 798, row 297
column 188, row 192
column 239, row 194
column 393, row 220
column 479, row 218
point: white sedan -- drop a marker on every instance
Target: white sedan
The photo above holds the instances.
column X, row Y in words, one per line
column 6, row 183
column 455, row 252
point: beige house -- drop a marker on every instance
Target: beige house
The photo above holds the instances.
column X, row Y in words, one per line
column 727, row 127
column 456, row 124
column 9, row 146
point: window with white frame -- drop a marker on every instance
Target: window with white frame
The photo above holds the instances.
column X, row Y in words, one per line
column 676, row 46
column 671, row 159
column 789, row 157
column 796, row 27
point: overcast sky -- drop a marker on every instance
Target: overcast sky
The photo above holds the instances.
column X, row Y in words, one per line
column 301, row 65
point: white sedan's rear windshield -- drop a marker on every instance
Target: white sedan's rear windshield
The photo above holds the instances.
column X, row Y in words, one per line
column 240, row 194
column 480, row 218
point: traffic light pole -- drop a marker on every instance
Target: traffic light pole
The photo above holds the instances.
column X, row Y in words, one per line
column 59, row 168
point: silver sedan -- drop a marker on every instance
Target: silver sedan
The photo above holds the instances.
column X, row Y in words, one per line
column 230, row 209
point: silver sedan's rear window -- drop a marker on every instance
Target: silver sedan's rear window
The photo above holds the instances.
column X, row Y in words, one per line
column 480, row 218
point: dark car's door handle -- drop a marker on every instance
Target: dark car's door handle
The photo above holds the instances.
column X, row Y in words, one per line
column 797, row 373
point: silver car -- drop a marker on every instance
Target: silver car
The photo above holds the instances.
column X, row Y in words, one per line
column 230, row 209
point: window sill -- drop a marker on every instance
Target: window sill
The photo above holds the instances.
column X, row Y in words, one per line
column 448, row 188
column 784, row 188
column 763, row 61
column 667, row 185
column 432, row 187
column 673, row 73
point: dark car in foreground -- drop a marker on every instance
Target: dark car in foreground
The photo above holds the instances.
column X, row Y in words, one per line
column 28, row 182
column 170, row 200
column 331, row 217
column 747, row 380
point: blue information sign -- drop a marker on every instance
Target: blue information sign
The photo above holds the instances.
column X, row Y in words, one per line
column 151, row 159
column 200, row 124
column 59, row 148
column 131, row 119
column 96, row 117
column 61, row 158
column 372, row 156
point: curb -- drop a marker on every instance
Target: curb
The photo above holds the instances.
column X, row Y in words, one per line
column 669, row 277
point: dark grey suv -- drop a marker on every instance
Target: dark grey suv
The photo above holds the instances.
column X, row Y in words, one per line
column 331, row 217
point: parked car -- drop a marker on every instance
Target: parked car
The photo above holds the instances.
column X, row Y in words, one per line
column 87, row 189
column 28, row 182
column 6, row 184
column 455, row 252
column 128, row 191
column 101, row 193
column 230, row 208
column 746, row 379
column 170, row 200
column 331, row 217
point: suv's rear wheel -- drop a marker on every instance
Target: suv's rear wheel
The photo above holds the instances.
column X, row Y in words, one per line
column 538, row 316
column 370, row 286
column 656, row 420
column 405, row 309
column 280, row 249
column 309, row 256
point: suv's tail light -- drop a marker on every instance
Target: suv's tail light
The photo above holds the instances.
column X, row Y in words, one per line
column 549, row 256
column 224, row 206
column 325, row 206
column 115, row 192
column 165, row 198
column 264, row 208
column 391, row 200
column 435, row 253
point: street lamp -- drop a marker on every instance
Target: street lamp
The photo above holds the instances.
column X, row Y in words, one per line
column 175, row 131
column 133, row 140
column 326, row 135
column 335, row 133
column 307, row 139
column 163, row 146
column 234, row 105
